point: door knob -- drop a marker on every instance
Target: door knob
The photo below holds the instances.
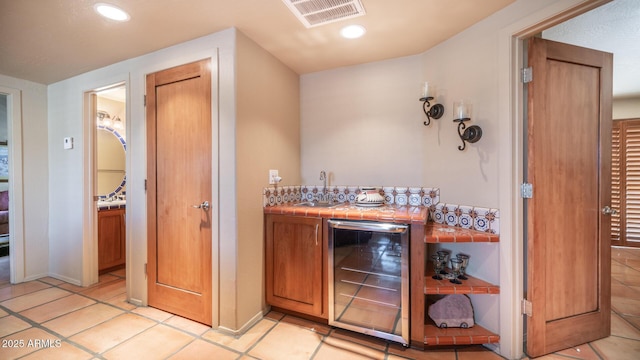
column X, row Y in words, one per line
column 609, row 211
column 204, row 205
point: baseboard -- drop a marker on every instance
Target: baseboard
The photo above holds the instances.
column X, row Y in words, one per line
column 244, row 328
column 34, row 277
column 63, row 278
column 136, row 302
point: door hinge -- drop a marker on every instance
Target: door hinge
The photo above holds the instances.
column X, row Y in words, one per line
column 527, row 307
column 145, row 184
column 527, row 75
column 145, row 269
column 145, row 100
column 526, row 191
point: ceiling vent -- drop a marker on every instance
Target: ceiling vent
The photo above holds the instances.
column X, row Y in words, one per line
column 319, row 12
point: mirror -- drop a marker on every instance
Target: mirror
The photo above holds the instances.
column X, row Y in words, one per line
column 111, row 162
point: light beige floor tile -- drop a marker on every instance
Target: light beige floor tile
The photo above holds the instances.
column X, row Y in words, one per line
column 33, row 299
column 82, row 319
column 616, row 348
column 274, row 315
column 287, row 341
column 65, row 351
column 477, row 352
column 71, row 287
column 107, row 290
column 430, row 354
column 107, row 335
column 307, row 324
column 358, row 338
column 633, row 320
column 13, row 291
column 620, row 327
column 105, row 278
column 245, row 341
column 25, row 336
column 158, row 342
column 333, row 348
column 50, row 280
column 121, row 302
column 11, row 324
column 201, row 349
column 57, row 308
column 583, row 351
column 152, row 313
column 187, row 325
column 120, row 273
column 626, row 306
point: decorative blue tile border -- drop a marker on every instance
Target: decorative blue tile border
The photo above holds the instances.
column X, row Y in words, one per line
column 467, row 217
column 412, row 196
column 464, row 216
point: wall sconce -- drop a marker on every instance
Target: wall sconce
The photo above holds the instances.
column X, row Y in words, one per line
column 462, row 113
column 434, row 111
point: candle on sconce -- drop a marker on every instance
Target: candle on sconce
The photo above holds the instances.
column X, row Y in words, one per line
column 425, row 89
column 461, row 110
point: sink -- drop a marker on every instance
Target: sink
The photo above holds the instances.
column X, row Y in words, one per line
column 317, row 204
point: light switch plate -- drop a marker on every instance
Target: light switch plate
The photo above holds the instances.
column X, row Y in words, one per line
column 68, row 143
column 273, row 174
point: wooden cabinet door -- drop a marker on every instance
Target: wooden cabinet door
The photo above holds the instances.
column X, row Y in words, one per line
column 111, row 241
column 294, row 264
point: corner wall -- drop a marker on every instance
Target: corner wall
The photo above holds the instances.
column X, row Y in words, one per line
column 35, row 171
column 267, row 137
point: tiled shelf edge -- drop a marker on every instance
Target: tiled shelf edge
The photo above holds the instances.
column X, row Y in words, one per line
column 476, row 335
column 442, row 233
column 470, row 286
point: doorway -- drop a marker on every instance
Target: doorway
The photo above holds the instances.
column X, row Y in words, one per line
column 111, row 179
column 11, row 117
column 5, row 272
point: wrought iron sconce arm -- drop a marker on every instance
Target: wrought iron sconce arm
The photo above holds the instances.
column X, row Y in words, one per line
column 436, row 111
column 470, row 134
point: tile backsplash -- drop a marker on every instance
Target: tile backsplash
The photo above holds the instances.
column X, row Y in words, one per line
column 467, row 217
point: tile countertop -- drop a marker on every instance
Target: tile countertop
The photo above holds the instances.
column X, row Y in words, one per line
column 389, row 213
column 434, row 232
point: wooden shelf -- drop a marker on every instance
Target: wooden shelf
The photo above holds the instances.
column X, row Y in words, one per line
column 475, row 335
column 445, row 287
column 439, row 233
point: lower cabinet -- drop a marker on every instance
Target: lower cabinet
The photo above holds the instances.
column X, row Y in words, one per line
column 296, row 264
column 111, row 239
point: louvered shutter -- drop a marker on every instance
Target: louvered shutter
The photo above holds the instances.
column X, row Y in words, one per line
column 615, row 184
column 625, row 183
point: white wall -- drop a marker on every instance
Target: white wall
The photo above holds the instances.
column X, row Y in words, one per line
column 35, row 171
column 626, row 108
column 68, row 232
column 363, row 124
column 359, row 118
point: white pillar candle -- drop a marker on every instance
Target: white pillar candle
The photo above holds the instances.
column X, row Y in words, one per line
column 425, row 89
column 461, row 110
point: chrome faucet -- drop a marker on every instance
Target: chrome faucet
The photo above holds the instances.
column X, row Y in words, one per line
column 323, row 176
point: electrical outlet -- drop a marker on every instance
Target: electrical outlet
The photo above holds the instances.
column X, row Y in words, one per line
column 273, row 176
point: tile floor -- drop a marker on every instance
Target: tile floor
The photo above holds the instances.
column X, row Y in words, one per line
column 51, row 319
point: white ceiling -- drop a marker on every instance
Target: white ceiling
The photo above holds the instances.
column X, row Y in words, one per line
column 615, row 28
column 50, row 40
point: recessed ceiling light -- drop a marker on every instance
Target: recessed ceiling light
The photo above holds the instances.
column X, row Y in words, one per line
column 352, row 31
column 111, row 12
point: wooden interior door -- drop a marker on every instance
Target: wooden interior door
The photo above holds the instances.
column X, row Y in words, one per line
column 178, row 184
column 569, row 166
